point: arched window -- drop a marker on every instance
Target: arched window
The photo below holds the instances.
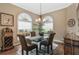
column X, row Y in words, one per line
column 47, row 24
column 24, row 22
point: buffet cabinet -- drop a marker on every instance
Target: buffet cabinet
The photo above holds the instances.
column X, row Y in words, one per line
column 71, row 47
column 7, row 39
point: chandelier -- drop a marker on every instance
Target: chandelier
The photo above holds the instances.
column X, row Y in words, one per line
column 39, row 20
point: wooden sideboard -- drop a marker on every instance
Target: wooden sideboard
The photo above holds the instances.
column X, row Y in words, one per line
column 71, row 47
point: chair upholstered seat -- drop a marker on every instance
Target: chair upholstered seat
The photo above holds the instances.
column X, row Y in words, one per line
column 44, row 42
column 31, row 47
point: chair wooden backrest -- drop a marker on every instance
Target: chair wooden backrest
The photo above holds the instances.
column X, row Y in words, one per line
column 41, row 34
column 33, row 33
column 50, row 39
column 22, row 41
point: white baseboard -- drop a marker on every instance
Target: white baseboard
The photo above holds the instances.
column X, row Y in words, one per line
column 58, row 41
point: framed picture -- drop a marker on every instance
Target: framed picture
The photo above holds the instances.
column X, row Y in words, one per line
column 6, row 19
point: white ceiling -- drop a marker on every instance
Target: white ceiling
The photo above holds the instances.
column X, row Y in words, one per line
column 45, row 7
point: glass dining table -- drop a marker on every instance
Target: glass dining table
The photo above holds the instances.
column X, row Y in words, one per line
column 37, row 38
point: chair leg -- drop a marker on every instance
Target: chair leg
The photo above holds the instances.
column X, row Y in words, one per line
column 22, row 52
column 36, row 50
column 45, row 48
column 48, row 49
column 40, row 47
column 51, row 47
column 26, row 52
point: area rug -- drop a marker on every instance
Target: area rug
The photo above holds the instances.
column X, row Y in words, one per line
column 43, row 51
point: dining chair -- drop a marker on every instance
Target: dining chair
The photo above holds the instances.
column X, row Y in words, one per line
column 33, row 33
column 41, row 34
column 48, row 42
column 25, row 46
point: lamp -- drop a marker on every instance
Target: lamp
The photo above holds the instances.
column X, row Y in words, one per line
column 39, row 20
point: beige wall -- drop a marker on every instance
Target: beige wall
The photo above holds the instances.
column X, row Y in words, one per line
column 11, row 9
column 71, row 13
column 60, row 18
column 59, row 22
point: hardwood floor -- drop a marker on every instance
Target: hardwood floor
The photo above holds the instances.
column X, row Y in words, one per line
column 13, row 51
column 17, row 51
column 59, row 50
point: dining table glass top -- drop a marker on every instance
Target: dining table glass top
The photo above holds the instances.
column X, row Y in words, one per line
column 37, row 37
